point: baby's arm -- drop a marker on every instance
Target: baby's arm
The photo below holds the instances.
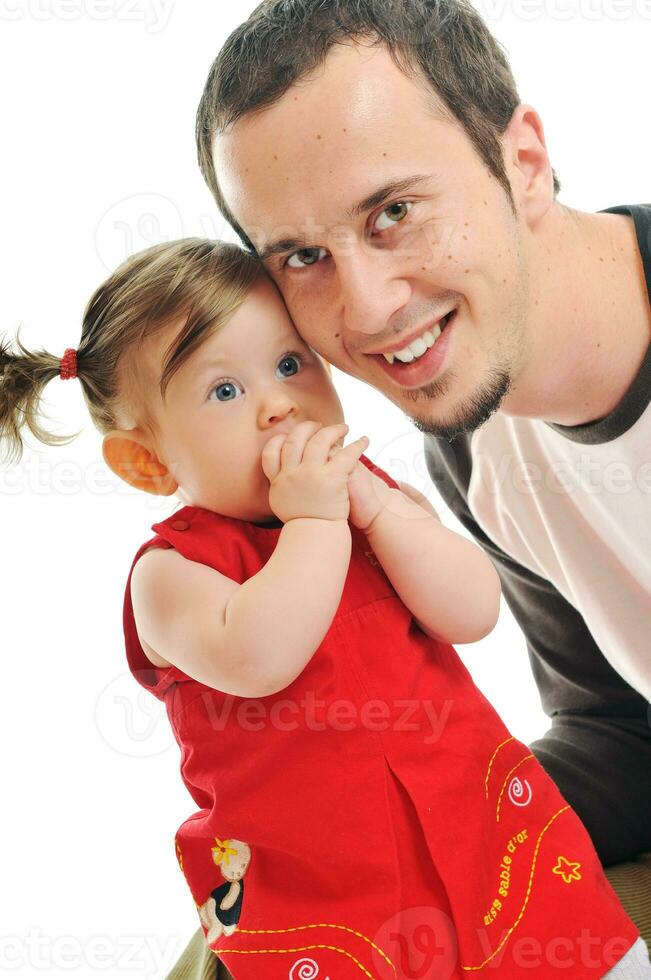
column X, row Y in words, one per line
column 449, row 583
column 284, row 612
column 253, row 639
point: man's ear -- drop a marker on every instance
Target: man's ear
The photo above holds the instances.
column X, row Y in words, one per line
column 127, row 454
column 527, row 163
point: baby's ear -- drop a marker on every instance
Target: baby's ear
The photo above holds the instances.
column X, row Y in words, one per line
column 126, row 453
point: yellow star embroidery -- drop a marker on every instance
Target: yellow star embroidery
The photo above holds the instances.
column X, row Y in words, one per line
column 222, row 852
column 568, row 870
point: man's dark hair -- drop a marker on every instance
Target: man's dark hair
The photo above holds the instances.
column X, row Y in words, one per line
column 444, row 41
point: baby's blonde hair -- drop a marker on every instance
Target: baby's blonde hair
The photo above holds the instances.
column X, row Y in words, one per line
column 203, row 280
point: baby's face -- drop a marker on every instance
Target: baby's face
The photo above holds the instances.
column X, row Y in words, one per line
column 253, row 378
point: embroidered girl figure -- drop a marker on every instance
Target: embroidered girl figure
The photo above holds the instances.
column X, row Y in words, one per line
column 221, row 913
column 354, row 788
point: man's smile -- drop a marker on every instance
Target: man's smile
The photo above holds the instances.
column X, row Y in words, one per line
column 425, row 366
column 434, row 329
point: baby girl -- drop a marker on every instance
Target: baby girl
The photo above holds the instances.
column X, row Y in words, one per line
column 360, row 805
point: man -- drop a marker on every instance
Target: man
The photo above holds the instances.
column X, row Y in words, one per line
column 377, row 158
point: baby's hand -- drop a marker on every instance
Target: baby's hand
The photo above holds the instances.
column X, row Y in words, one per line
column 366, row 493
column 304, row 479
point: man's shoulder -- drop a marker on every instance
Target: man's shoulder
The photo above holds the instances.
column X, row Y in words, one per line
column 644, row 207
column 641, row 215
column 451, row 463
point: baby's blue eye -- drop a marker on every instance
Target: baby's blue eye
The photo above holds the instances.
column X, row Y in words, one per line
column 288, row 365
column 229, row 388
column 287, row 360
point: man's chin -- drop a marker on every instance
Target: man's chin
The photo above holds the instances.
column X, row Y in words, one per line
column 471, row 412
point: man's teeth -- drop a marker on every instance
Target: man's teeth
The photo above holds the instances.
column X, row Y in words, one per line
column 417, row 347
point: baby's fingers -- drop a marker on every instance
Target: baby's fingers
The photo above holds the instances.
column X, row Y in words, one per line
column 348, row 456
column 270, row 457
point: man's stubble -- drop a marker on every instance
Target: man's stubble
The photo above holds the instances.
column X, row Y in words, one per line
column 506, row 362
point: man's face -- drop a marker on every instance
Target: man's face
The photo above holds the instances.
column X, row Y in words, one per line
column 376, row 217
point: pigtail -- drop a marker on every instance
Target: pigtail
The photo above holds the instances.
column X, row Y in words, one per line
column 198, row 279
column 23, row 377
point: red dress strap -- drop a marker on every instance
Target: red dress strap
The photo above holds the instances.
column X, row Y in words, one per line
column 378, row 471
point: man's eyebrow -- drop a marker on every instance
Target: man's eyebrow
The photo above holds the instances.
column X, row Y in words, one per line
column 376, row 198
column 369, row 203
column 280, row 247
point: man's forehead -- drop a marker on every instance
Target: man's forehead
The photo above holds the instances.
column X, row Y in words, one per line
column 285, row 211
column 324, row 146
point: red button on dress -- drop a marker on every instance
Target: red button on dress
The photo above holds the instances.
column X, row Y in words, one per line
column 180, row 525
column 375, row 819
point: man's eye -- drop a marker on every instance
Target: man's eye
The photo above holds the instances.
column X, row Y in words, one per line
column 393, row 214
column 305, row 257
column 227, row 388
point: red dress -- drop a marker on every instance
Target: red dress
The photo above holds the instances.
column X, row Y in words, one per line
column 375, row 818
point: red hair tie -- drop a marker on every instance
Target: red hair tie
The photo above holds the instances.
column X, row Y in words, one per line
column 68, row 368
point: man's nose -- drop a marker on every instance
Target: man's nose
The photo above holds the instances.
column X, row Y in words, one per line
column 371, row 291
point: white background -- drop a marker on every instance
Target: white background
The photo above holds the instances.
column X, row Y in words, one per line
column 98, row 160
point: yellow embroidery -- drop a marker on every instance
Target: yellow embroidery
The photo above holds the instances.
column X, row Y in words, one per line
column 490, row 764
column 561, row 869
column 505, row 869
column 179, row 856
column 506, row 779
column 325, row 925
column 526, row 897
column 493, row 912
column 302, row 949
column 222, row 851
